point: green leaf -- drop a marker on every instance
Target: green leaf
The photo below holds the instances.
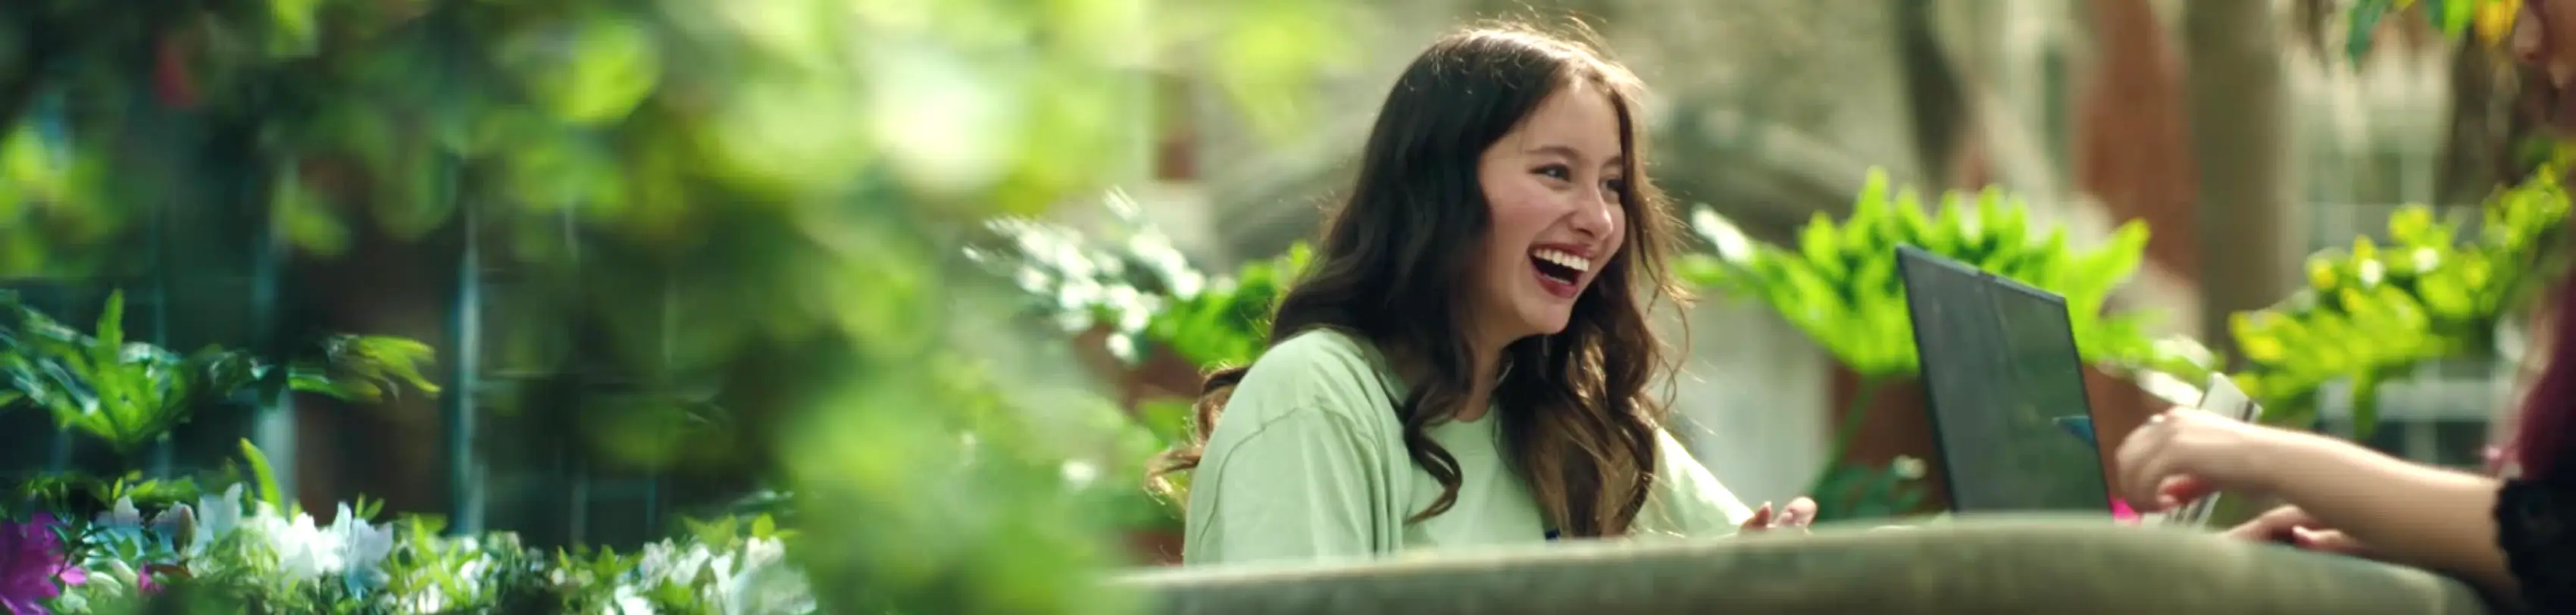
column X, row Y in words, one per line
column 295, row 27
column 2365, row 405
column 1913, row 225
column 2011, row 224
column 263, row 480
column 2413, row 225
column 1702, row 270
column 1870, row 222
column 1882, row 319
column 2364, row 21
column 111, row 327
column 592, row 71
column 1822, row 247
column 1951, row 233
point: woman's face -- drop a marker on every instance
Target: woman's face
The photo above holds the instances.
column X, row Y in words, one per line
column 1554, row 184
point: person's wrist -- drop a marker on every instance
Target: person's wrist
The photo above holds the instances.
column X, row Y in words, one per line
column 2287, row 457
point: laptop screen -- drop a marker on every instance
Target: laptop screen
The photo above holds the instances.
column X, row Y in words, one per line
column 1999, row 367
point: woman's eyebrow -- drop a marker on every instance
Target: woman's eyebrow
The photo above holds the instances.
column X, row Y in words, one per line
column 1570, row 153
column 1566, row 151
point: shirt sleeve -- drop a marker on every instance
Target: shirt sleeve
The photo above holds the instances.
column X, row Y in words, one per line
column 1289, row 473
column 1688, row 501
column 2532, row 519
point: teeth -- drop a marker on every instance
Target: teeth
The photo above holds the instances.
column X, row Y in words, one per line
column 1561, row 257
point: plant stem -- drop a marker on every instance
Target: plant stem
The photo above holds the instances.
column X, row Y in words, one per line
column 1854, row 415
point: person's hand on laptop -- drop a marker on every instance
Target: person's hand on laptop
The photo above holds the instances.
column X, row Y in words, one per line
column 2295, row 527
column 2185, row 454
column 1799, row 514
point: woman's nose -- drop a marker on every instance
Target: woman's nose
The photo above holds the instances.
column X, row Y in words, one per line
column 1595, row 219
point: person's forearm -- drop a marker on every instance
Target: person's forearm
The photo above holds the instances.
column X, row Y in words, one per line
column 2405, row 512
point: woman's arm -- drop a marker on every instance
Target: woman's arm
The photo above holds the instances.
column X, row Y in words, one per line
column 2407, row 513
column 1687, row 499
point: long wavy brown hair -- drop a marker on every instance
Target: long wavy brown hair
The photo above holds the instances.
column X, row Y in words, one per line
column 1578, row 423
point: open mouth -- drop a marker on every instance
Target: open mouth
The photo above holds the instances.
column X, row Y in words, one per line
column 1560, row 268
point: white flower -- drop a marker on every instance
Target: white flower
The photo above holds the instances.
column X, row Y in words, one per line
column 174, row 521
column 1188, row 283
column 122, row 515
column 1730, row 241
column 691, row 562
column 302, row 550
column 1907, row 467
column 656, row 559
column 765, row 583
column 1122, row 205
column 429, row 601
column 1080, row 474
column 216, row 518
column 114, row 577
column 362, row 545
column 630, row 603
column 1032, row 279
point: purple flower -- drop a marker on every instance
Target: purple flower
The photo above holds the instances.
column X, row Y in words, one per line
column 32, row 565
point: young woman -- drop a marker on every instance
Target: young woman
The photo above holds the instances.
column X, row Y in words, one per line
column 2514, row 536
column 1466, row 361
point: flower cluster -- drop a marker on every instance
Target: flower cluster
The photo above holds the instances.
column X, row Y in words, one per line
column 228, row 554
column 1122, row 281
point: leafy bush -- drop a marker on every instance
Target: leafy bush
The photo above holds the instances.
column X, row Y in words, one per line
column 130, row 394
column 1839, row 284
column 252, row 551
column 2489, row 20
column 1129, row 277
column 2372, row 312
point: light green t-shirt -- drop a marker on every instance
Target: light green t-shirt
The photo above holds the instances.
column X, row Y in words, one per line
column 1309, row 463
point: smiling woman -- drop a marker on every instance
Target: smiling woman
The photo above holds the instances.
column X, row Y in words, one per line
column 1467, row 361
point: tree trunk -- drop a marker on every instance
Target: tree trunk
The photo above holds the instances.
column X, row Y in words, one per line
column 2240, row 138
column 2478, row 153
column 2133, row 148
column 1934, row 103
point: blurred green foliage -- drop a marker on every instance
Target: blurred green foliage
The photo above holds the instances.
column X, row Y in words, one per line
column 2374, row 312
column 1128, row 279
column 2489, row 20
column 130, row 394
column 1839, row 284
column 766, row 197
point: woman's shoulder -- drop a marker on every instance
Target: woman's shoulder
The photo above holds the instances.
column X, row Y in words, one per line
column 1320, row 368
column 1318, row 354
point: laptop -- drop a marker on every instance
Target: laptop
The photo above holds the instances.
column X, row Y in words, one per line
column 1999, row 367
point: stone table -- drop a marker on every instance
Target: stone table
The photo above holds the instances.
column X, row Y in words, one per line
column 1986, row 565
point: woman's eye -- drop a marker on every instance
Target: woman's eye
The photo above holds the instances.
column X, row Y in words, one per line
column 1617, row 186
column 1557, row 172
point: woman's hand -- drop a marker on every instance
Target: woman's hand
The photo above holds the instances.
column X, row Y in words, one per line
column 2185, row 454
column 1797, row 515
column 2289, row 524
